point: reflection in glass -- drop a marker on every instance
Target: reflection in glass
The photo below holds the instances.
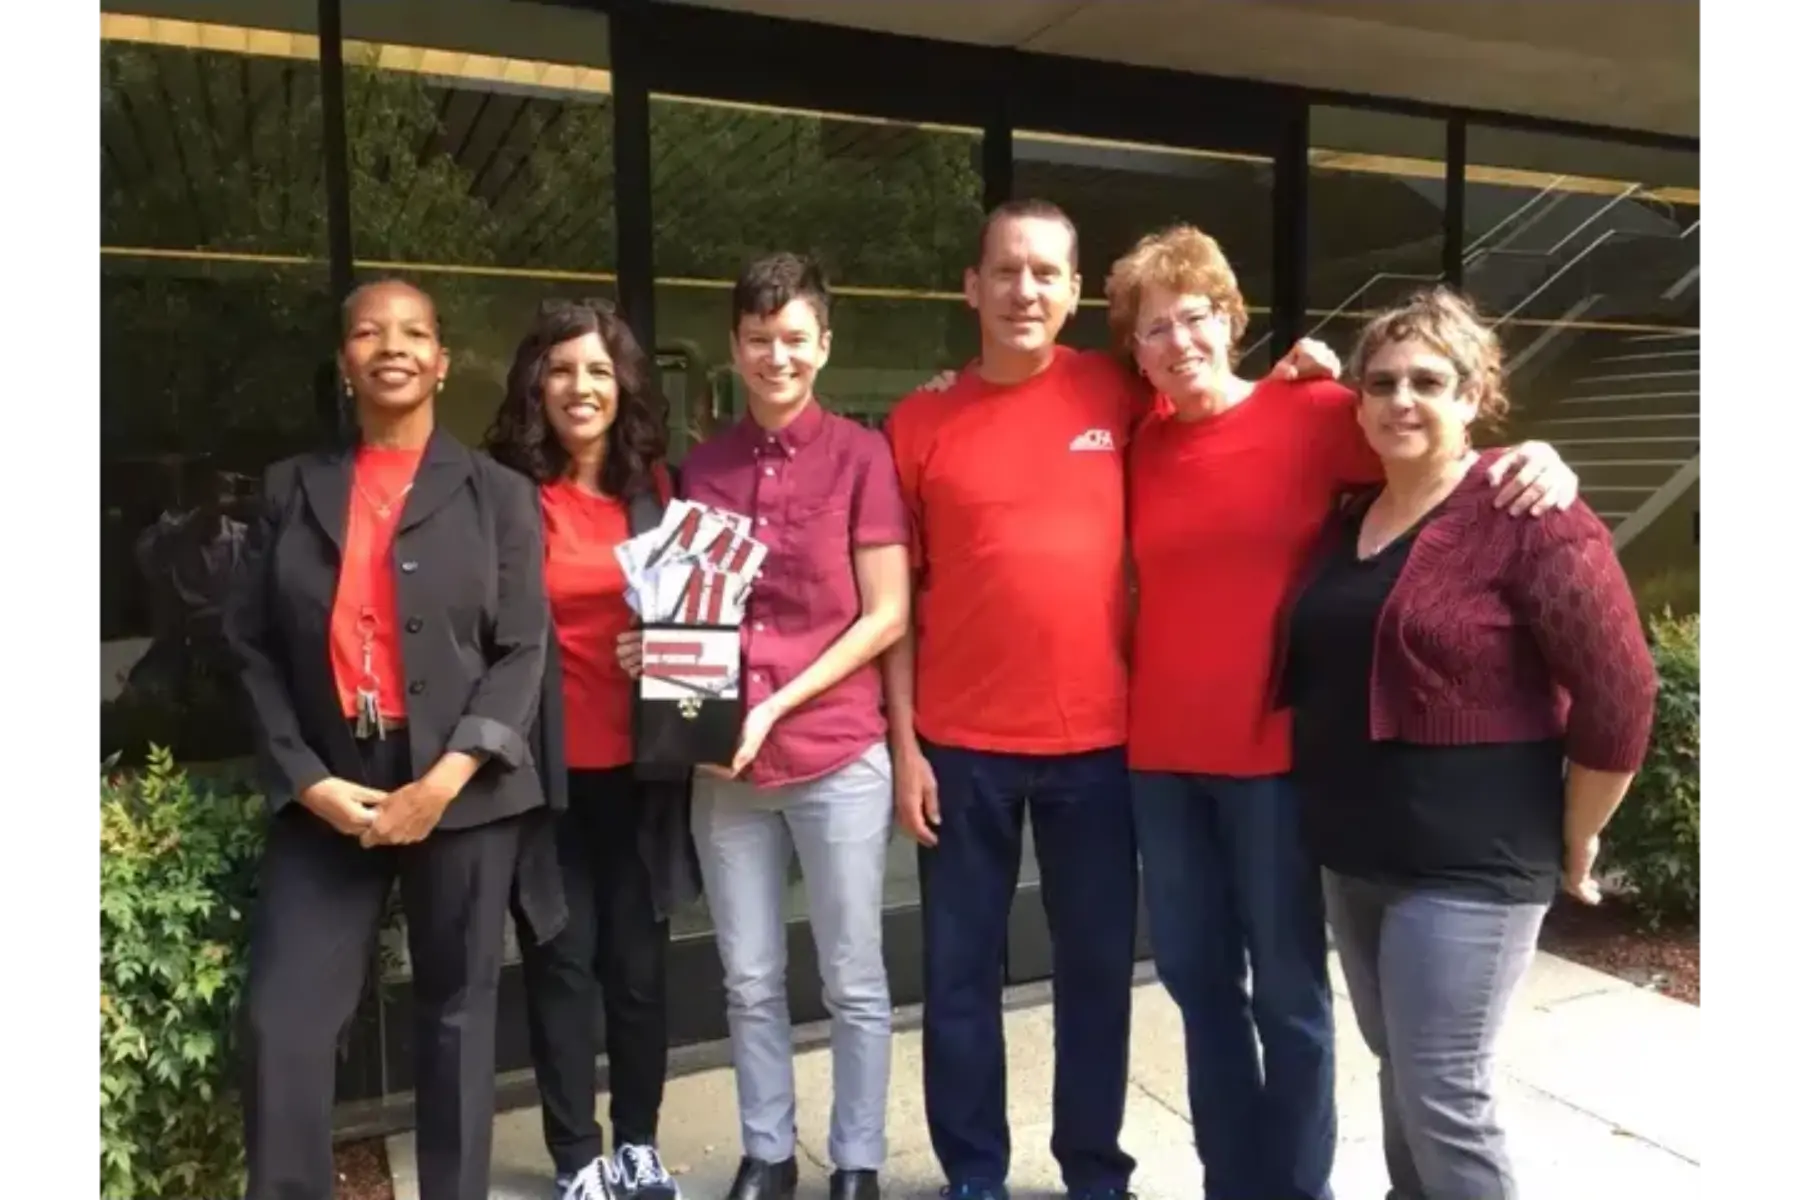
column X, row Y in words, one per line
column 487, row 180
column 1117, row 192
column 214, row 333
column 1588, row 255
column 1375, row 216
column 888, row 209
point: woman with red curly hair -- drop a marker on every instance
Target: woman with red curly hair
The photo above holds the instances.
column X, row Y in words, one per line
column 1229, row 484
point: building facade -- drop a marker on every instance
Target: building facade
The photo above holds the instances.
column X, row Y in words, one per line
column 258, row 156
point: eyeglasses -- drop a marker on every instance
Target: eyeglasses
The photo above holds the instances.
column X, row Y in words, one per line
column 1162, row 332
column 1426, row 385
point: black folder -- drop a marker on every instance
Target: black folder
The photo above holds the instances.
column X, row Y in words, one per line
column 688, row 719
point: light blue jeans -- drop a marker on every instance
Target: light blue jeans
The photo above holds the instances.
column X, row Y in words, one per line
column 1430, row 975
column 746, row 837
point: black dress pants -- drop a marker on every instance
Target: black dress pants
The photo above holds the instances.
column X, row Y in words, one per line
column 614, row 940
column 312, row 940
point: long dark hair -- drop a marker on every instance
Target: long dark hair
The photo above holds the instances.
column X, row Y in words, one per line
column 521, row 437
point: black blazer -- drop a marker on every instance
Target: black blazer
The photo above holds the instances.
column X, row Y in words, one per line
column 665, row 839
column 469, row 584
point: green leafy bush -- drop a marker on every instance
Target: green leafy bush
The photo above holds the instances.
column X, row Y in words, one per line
column 177, row 873
column 1653, row 844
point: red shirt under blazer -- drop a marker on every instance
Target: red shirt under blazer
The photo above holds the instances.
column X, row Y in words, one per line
column 1504, row 628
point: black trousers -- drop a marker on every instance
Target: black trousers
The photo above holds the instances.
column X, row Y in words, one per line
column 614, row 940
column 312, row 940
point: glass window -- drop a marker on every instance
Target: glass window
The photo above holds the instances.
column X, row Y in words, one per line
column 215, row 343
column 481, row 167
column 1375, row 216
column 888, row 209
column 1117, row 192
column 1587, row 253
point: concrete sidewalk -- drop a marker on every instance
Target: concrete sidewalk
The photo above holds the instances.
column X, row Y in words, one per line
column 1601, row 1094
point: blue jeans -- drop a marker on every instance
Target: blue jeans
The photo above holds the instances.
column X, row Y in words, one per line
column 1087, row 860
column 1228, row 883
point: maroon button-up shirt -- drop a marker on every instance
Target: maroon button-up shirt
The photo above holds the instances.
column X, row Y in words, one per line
column 814, row 492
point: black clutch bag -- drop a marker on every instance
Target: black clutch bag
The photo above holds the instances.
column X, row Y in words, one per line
column 689, row 708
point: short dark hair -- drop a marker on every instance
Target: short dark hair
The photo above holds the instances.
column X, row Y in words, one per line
column 773, row 282
column 347, row 310
column 521, row 437
column 1029, row 208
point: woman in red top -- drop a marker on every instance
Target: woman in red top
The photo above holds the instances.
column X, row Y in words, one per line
column 1229, row 482
column 581, row 419
column 388, row 622
column 1442, row 663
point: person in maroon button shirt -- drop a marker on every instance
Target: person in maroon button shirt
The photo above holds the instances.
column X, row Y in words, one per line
column 812, row 773
column 1471, row 697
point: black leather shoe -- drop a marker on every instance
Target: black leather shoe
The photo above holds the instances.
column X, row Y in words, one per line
column 759, row 1180
column 855, row 1185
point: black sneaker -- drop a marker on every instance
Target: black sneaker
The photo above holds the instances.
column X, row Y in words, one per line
column 599, row 1180
column 640, row 1175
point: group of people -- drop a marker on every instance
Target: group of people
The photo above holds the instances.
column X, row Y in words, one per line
column 1295, row 651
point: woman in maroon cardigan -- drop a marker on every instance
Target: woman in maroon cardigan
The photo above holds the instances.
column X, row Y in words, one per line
column 1442, row 662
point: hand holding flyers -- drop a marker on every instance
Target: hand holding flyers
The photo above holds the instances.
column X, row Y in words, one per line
column 689, row 579
column 696, row 568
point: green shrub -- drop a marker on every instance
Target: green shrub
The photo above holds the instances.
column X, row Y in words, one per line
column 177, row 873
column 1653, row 843
column 1674, row 592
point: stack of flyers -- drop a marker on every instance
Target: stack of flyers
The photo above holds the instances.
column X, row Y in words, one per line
column 696, row 568
column 689, row 580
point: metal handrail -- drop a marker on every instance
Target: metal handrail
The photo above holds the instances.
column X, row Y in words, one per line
column 1556, row 275
column 1470, row 253
column 1474, row 250
column 1598, row 213
column 1604, row 237
column 1518, row 213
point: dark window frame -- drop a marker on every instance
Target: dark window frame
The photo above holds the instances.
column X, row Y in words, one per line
column 680, row 49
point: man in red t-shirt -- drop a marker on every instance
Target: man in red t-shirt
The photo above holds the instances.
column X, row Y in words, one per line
column 1015, row 699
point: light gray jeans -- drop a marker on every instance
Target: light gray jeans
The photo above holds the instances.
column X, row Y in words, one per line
column 746, row 837
column 1431, row 974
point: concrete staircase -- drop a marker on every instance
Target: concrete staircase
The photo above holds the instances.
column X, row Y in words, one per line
column 1625, row 413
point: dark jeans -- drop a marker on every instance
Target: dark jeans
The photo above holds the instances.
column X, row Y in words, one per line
column 1081, row 827
column 1430, row 975
column 312, row 940
column 615, row 942
column 1228, row 884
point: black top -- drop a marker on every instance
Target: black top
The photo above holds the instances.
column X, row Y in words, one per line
column 1480, row 819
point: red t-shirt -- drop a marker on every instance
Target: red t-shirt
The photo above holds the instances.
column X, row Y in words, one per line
column 365, row 643
column 1224, row 512
column 586, row 587
column 1017, row 498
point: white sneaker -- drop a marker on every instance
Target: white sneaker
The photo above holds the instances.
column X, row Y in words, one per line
column 640, row 1175
column 599, row 1180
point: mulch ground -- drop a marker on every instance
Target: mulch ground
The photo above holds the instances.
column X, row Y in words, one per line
column 1611, row 937
column 362, row 1171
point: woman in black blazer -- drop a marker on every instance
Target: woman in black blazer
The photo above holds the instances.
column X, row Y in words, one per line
column 581, row 420
column 389, row 622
